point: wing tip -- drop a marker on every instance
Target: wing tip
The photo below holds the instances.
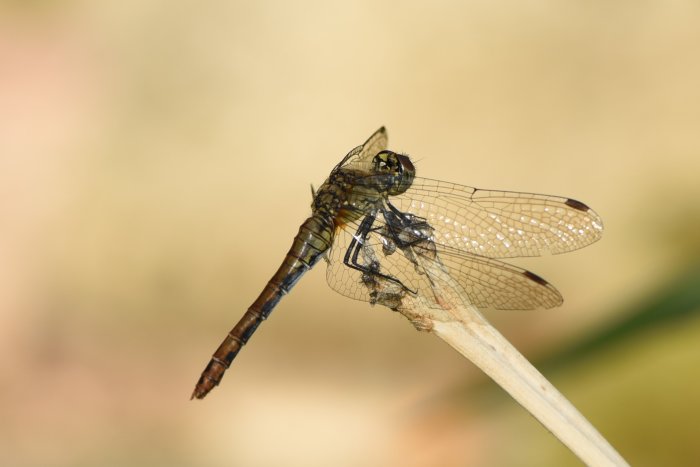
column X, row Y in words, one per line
column 548, row 301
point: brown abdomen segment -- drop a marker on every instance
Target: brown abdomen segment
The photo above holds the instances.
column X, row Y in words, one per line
column 227, row 351
column 314, row 238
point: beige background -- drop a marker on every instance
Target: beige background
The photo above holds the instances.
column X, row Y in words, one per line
column 155, row 162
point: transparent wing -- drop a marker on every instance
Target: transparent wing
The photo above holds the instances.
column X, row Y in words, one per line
column 376, row 143
column 500, row 224
column 362, row 155
column 349, row 282
column 488, row 283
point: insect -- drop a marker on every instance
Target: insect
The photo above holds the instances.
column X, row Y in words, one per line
column 377, row 223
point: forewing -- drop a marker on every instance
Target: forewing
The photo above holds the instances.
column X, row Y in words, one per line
column 500, row 224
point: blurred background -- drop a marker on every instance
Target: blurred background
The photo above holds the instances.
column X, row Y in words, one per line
column 155, row 162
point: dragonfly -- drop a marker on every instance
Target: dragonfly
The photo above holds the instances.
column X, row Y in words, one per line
column 376, row 223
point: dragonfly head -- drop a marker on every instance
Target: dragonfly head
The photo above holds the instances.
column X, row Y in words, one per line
column 396, row 169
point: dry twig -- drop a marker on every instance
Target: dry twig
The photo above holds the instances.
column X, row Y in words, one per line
column 462, row 326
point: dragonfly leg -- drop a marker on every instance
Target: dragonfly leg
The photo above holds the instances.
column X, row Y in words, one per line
column 351, row 254
column 407, row 230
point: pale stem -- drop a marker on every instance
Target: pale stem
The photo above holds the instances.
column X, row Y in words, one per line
column 463, row 327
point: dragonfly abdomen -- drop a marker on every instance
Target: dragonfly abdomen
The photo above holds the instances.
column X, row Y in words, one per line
column 314, row 238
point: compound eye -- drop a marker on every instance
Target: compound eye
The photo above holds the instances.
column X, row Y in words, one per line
column 386, row 162
column 380, row 162
column 394, row 172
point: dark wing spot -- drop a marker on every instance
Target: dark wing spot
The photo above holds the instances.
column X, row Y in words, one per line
column 572, row 203
column 534, row 277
